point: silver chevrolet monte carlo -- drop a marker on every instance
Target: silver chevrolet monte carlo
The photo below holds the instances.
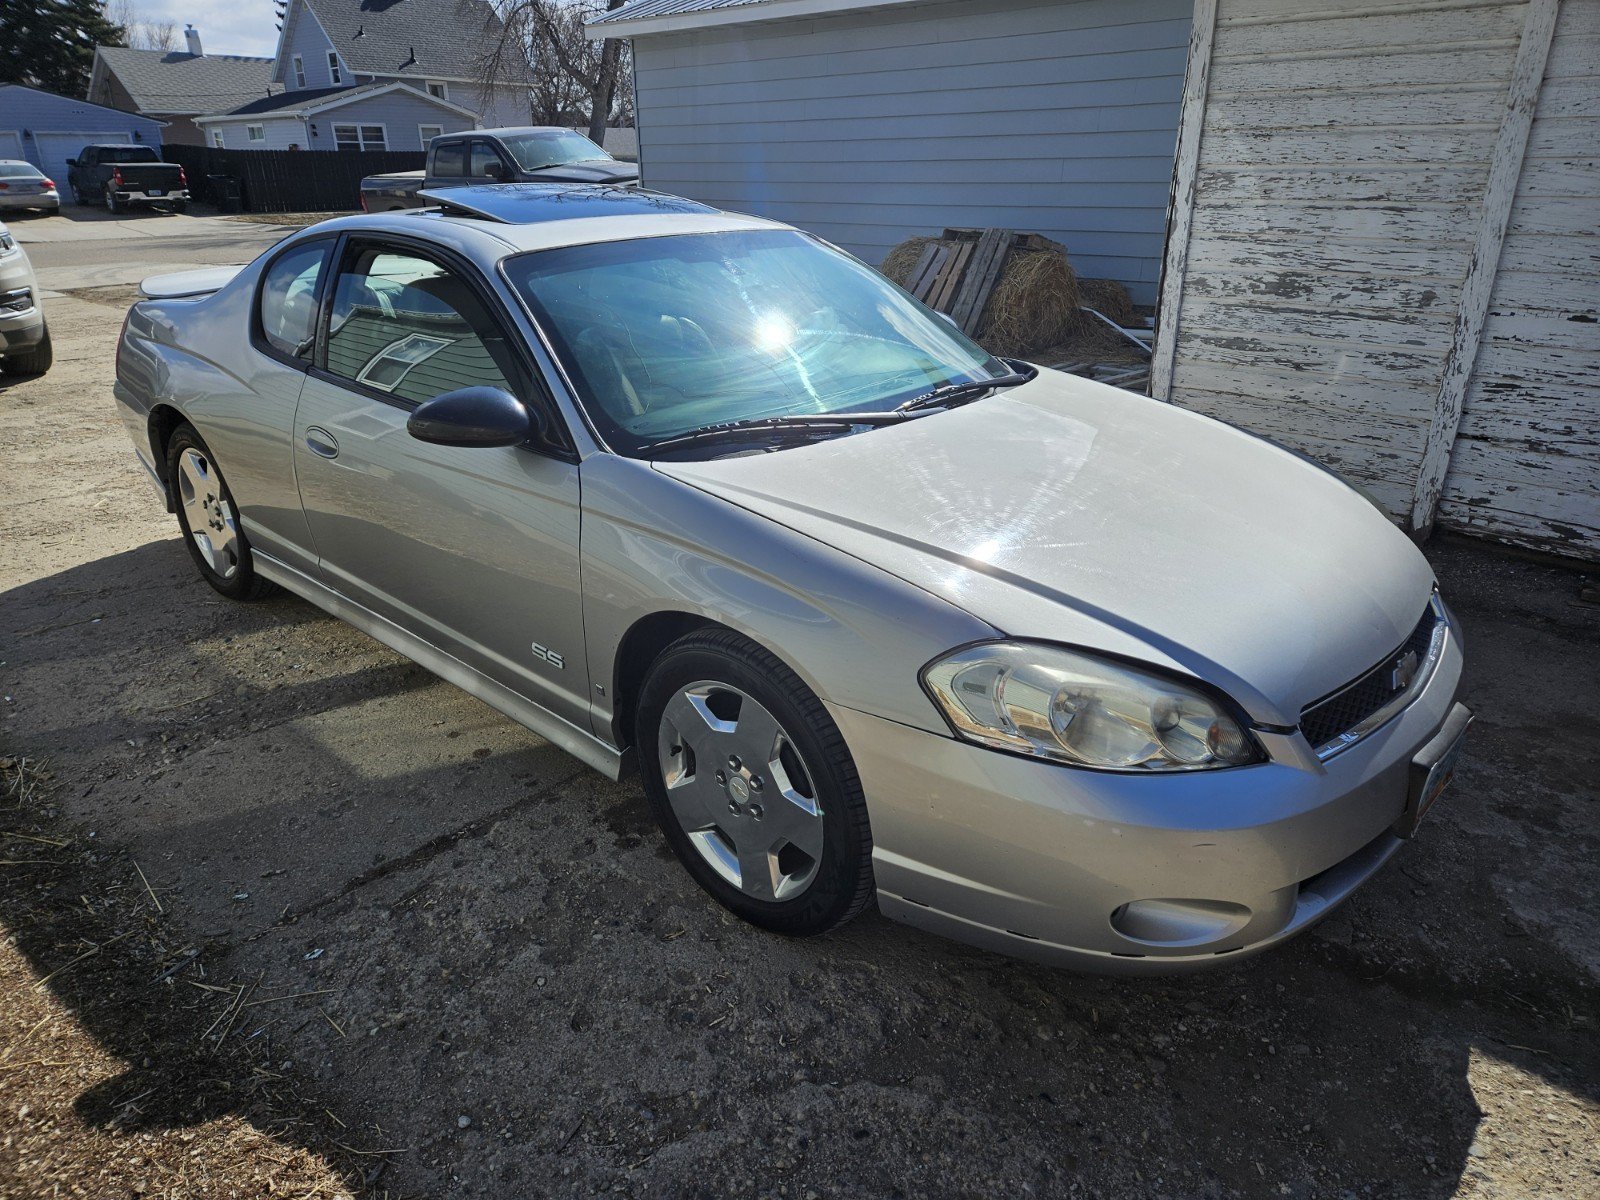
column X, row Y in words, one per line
column 1042, row 665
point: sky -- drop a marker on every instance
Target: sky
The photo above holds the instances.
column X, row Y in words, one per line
column 226, row 26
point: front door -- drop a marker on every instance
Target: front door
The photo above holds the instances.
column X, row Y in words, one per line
column 473, row 549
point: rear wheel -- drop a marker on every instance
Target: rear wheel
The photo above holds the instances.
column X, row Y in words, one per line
column 113, row 205
column 753, row 786
column 209, row 520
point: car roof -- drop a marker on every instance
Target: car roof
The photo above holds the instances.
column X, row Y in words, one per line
column 491, row 220
column 502, row 130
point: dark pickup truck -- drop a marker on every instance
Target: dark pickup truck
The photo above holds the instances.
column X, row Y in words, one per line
column 122, row 176
column 534, row 154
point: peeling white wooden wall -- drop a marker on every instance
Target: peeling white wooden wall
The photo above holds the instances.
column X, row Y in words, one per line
column 1526, row 463
column 1340, row 181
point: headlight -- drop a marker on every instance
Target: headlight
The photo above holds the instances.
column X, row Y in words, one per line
column 7, row 244
column 1071, row 707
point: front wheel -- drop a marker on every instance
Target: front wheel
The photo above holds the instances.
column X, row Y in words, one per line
column 209, row 519
column 32, row 362
column 753, row 786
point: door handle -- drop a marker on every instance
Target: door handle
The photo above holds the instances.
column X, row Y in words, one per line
column 320, row 442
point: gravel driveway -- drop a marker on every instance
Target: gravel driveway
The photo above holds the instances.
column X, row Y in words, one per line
column 484, row 964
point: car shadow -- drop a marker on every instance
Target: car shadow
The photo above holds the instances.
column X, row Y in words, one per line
column 433, row 924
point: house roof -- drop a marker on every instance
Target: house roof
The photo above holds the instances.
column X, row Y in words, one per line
column 434, row 39
column 644, row 17
column 74, row 102
column 306, row 101
column 162, row 81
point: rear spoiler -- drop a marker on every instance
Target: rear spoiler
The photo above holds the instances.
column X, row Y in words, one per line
column 183, row 284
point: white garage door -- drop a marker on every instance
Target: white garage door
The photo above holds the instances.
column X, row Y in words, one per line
column 10, row 143
column 53, row 149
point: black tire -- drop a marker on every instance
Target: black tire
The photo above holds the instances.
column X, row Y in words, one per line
column 113, row 205
column 32, row 362
column 842, row 884
column 243, row 583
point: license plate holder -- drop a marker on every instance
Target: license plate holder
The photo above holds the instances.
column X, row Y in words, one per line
column 158, row 191
column 1432, row 769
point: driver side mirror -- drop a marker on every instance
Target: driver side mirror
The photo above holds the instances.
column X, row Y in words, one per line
column 72, row 162
column 475, row 416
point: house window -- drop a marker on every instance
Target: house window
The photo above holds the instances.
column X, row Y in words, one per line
column 438, row 90
column 256, row 133
column 216, row 138
column 333, row 67
column 360, row 137
column 428, row 132
column 299, row 72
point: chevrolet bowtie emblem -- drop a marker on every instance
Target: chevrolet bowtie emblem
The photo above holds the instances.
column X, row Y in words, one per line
column 1403, row 671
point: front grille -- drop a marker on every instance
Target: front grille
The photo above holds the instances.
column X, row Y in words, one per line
column 1328, row 718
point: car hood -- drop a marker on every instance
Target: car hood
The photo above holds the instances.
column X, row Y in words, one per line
column 594, row 170
column 1068, row 511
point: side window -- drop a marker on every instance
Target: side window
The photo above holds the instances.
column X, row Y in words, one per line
column 483, row 153
column 287, row 312
column 450, row 160
column 405, row 325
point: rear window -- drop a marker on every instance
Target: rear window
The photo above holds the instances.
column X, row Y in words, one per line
column 19, row 170
column 128, row 154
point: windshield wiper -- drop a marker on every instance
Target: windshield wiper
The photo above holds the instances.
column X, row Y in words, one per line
column 799, row 424
column 950, row 394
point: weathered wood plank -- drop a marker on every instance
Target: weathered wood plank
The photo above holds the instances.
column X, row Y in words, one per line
column 985, row 269
column 1453, row 143
column 1419, row 25
column 1337, row 393
column 1385, row 67
column 929, row 265
column 944, row 288
column 1358, row 108
column 1181, row 201
column 1504, row 169
column 1401, row 183
column 1416, row 263
column 1353, row 362
column 1438, row 226
column 1570, row 330
column 1425, row 331
column 1369, row 292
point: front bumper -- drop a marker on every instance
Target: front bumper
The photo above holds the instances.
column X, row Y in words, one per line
column 20, row 331
column 1039, row 861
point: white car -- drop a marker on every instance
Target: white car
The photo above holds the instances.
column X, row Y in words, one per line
column 24, row 337
column 23, row 186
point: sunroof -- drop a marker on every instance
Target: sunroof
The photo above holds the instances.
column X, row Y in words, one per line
column 530, row 203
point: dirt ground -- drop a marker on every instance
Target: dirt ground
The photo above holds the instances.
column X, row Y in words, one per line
column 285, row 915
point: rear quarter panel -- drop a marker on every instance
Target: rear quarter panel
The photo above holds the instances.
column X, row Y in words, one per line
column 195, row 356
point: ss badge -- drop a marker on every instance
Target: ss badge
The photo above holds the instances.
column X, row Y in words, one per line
column 545, row 654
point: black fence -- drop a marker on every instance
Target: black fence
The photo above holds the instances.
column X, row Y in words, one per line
column 285, row 180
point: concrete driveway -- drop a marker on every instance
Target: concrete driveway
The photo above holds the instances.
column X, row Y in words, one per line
column 484, row 960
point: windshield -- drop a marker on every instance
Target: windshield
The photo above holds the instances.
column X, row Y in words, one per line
column 554, row 149
column 665, row 335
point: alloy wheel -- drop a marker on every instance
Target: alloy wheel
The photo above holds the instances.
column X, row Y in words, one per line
column 741, row 792
column 208, row 513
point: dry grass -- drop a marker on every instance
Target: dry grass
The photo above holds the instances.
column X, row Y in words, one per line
column 1109, row 297
column 125, row 1068
column 1034, row 304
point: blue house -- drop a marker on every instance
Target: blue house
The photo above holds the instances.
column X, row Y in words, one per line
column 374, row 75
column 47, row 129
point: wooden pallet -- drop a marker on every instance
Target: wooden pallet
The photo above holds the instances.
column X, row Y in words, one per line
column 956, row 274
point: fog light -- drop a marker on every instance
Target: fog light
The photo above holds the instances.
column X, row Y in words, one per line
column 19, row 300
column 1179, row 922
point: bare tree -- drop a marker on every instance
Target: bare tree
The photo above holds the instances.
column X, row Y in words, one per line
column 575, row 80
column 142, row 34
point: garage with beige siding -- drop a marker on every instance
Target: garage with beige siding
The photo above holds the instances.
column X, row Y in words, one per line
column 1385, row 251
